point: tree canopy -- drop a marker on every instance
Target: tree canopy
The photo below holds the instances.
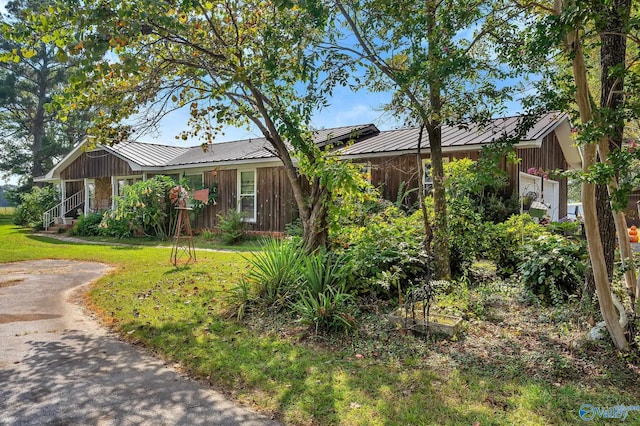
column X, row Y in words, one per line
column 32, row 71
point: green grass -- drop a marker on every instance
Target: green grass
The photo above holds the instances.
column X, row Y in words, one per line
column 378, row 377
column 199, row 241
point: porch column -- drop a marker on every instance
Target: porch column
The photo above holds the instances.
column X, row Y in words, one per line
column 114, row 190
column 144, row 175
column 86, row 196
column 63, row 195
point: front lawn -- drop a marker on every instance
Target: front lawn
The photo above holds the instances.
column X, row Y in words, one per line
column 514, row 364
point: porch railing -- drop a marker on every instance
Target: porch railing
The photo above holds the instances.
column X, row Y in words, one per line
column 69, row 204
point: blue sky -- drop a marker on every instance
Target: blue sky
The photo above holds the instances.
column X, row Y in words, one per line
column 346, row 108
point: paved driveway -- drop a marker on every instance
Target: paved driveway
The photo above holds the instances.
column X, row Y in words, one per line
column 57, row 366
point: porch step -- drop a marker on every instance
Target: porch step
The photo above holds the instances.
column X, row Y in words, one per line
column 58, row 229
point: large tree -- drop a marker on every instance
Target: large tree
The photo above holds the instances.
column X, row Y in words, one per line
column 230, row 62
column 583, row 27
column 439, row 60
column 31, row 72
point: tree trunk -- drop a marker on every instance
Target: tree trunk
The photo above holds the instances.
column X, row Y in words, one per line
column 613, row 51
column 37, row 129
column 440, row 244
column 607, row 235
column 596, row 250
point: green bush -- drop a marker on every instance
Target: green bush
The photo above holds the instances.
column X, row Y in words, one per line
column 332, row 310
column 144, row 207
column 231, row 226
column 274, row 274
column 33, row 205
column 384, row 255
column 113, row 225
column 88, row 225
column 553, row 267
column 322, row 300
column 502, row 242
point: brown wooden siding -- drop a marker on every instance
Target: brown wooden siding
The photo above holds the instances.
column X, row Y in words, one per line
column 388, row 173
column 632, row 209
column 548, row 157
column 276, row 204
column 103, row 194
column 227, row 197
column 96, row 164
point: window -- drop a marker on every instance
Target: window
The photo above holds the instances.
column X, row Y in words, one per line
column 365, row 170
column 194, row 182
column 122, row 182
column 427, row 181
column 247, row 195
column 91, row 196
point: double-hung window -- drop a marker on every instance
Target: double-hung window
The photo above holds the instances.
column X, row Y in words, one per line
column 247, row 195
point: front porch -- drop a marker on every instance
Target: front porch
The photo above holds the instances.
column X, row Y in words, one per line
column 83, row 196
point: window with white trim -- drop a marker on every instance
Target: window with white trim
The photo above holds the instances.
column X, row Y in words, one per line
column 427, row 179
column 194, row 182
column 247, row 194
column 365, row 170
column 125, row 181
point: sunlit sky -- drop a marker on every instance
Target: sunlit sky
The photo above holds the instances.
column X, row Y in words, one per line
column 346, row 108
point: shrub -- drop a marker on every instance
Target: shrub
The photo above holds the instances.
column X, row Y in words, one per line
column 114, row 226
column 232, row 226
column 503, row 242
column 385, row 254
column 553, row 267
column 33, row 205
column 274, row 274
column 322, row 300
column 88, row 225
column 143, row 207
column 331, row 310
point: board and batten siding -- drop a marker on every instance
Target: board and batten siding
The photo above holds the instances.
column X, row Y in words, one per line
column 96, row 164
column 548, row 157
column 276, row 203
column 274, row 197
column 388, row 173
column 227, row 197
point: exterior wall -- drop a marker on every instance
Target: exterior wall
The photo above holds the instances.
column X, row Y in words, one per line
column 227, row 197
column 276, row 204
column 96, row 164
column 274, row 197
column 548, row 157
column 387, row 173
column 103, row 193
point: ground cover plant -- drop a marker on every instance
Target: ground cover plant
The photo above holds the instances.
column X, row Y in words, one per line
column 516, row 363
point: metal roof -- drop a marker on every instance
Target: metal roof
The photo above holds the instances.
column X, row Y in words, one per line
column 454, row 136
column 367, row 140
column 146, row 154
column 260, row 148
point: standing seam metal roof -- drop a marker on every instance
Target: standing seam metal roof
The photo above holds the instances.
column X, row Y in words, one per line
column 453, row 136
column 146, row 154
column 369, row 140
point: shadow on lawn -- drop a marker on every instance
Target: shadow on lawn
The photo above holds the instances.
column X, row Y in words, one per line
column 324, row 388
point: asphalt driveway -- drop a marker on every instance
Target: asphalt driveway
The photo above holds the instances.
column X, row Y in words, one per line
column 58, row 366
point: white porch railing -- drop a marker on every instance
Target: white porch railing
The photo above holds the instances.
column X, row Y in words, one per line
column 70, row 203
